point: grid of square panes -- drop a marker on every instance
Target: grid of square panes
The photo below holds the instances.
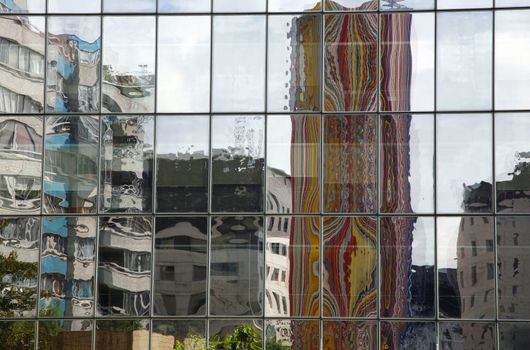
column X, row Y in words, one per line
column 179, row 172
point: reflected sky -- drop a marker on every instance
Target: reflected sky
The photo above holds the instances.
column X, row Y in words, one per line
column 129, row 5
column 74, row 6
column 184, row 6
column 455, row 4
column 239, row 5
column 293, row 5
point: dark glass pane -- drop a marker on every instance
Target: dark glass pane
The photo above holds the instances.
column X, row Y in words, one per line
column 349, row 335
column 292, row 334
column 182, row 147
column 183, row 6
column 233, row 333
column 127, row 164
column 236, row 266
column 292, row 266
column 19, row 257
column 178, row 334
column 238, row 149
column 122, row 334
column 406, row 165
column 65, row 334
column 350, row 163
column 294, row 5
column 20, row 165
column 407, row 267
column 74, row 54
column 351, row 5
column 468, row 336
column 129, row 64
column 67, row 266
column 408, row 335
column 514, row 336
column 466, row 267
column 402, row 5
column 74, row 6
column 350, row 267
column 129, row 6
column 124, row 270
column 181, row 262
column 70, row 168
column 350, row 62
column 293, row 164
column 18, row 335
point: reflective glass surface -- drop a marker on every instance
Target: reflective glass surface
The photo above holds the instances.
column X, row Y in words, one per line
column 178, row 6
column 343, row 335
column 351, row 5
column 24, row 6
column 239, row 5
column 234, row 331
column 292, row 334
column 467, row 335
column 65, row 334
column 398, row 335
column 142, row 6
column 124, row 334
column 18, row 334
column 294, row 5
column 514, row 335
column 74, row 6
column 407, row 5
column 177, row 334
column 457, row 4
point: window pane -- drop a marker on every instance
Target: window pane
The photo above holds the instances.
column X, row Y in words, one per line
column 407, row 161
column 238, row 163
column 407, row 267
column 26, row 6
column 350, row 267
column 351, row 5
column 464, row 163
column 350, row 163
column 127, row 164
column 183, row 6
column 511, row 3
column 238, row 63
column 116, row 334
column 514, row 335
column 19, row 257
column 129, row 64
column 294, row 63
column 68, row 266
column 465, row 290
column 512, row 54
column 179, row 333
column 129, row 6
column 292, row 334
column 340, row 335
column 292, row 265
column 293, row 164
column 464, row 60
column 74, row 53
column 236, row 266
column 183, row 64
column 74, row 6
column 397, row 335
column 124, row 270
column 70, row 164
column 182, row 163
column 65, row 334
column 407, row 62
column 239, row 5
column 294, row 5
column 248, row 332
column 180, row 266
column 457, row 4
column 512, row 143
column 350, row 74
column 401, row 5
column 20, row 165
column 22, row 47
column 467, row 336
column 18, row 335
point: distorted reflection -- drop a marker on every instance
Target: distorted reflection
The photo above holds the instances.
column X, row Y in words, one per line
column 18, row 334
column 292, row 334
column 468, row 336
column 20, row 165
column 129, row 64
column 70, row 165
column 236, row 266
column 343, row 335
column 142, row 6
column 178, row 334
column 74, row 54
column 399, row 335
column 19, row 257
column 178, row 6
column 23, row 6
column 180, row 266
column 351, row 5
column 514, row 335
column 67, row 266
column 127, row 144
column 74, row 6
column 123, row 335
column 124, row 269
column 233, row 332
column 293, row 164
column 65, row 335
column 407, row 5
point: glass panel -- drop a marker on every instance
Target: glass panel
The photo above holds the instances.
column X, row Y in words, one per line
column 350, row 74
column 294, row 5
column 513, row 261
column 19, row 257
column 467, row 336
column 293, row 164
column 512, row 157
column 350, row 267
column 292, row 334
column 70, row 164
column 238, row 63
column 18, row 335
column 466, row 278
column 294, row 61
column 122, row 334
column 23, row 6
column 129, row 64
column 183, row 6
column 236, row 266
column 351, row 5
column 183, row 64
column 349, row 335
column 398, row 335
column 182, row 146
column 406, row 5
column 407, row 267
column 407, row 161
column 239, row 5
column 74, row 6
column 233, row 333
column 181, row 262
column 512, row 54
column 457, row 4
column 464, row 163
column 65, row 334
column 238, row 164
column 178, row 334
column 74, row 54
column 511, row 3
column 514, row 336
column 127, row 164
column 129, row 6
column 22, row 47
column 464, row 60
column 350, row 163
column 20, row 165
column 407, row 62
column 124, row 270
column 292, row 266
column 67, row 266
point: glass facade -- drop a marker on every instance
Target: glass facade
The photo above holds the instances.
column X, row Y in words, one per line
column 282, row 174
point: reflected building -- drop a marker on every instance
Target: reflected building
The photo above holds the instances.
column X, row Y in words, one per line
column 128, row 91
